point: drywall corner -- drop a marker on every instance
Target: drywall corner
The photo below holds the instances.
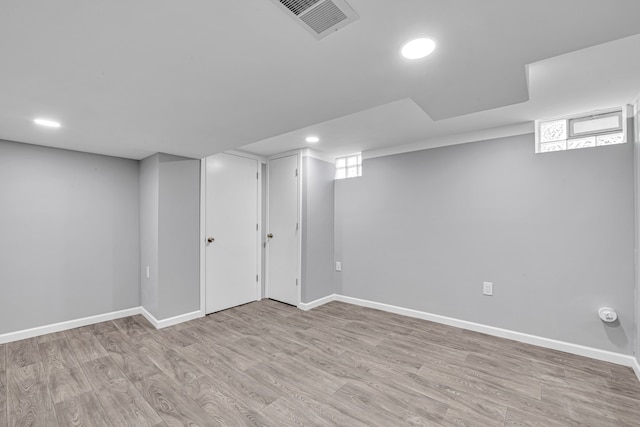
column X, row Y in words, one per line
column 178, row 236
column 149, row 194
column 317, row 229
column 169, row 235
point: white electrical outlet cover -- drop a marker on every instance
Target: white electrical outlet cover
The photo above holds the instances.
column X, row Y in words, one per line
column 487, row 288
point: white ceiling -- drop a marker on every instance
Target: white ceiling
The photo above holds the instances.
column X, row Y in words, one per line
column 195, row 78
column 598, row 77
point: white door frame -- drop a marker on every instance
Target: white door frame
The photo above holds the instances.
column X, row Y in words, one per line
column 203, row 226
column 297, row 153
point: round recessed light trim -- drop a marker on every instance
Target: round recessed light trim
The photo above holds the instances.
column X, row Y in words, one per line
column 47, row 123
column 312, row 139
column 418, row 48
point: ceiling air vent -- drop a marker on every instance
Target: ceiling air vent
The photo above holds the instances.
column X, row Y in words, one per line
column 319, row 17
column 298, row 6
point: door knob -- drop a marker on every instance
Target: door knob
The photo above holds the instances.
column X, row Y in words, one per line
column 210, row 239
column 270, row 235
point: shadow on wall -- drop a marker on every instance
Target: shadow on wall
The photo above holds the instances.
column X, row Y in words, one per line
column 616, row 333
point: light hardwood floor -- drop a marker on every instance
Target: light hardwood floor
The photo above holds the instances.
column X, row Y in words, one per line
column 267, row 363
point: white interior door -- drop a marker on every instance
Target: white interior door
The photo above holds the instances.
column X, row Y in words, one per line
column 232, row 234
column 282, row 237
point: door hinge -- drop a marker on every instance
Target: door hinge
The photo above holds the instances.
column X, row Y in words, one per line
column 297, row 226
column 296, row 171
column 257, row 173
column 296, row 282
column 256, row 277
column 256, row 227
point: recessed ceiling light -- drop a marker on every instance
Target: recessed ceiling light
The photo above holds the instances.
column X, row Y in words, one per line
column 312, row 139
column 47, row 123
column 418, row 48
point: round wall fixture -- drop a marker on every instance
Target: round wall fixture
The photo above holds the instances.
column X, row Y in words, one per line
column 607, row 314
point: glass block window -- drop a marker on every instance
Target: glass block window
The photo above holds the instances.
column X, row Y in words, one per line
column 584, row 131
column 589, row 141
column 552, row 131
column 546, row 147
column 349, row 166
column 616, row 138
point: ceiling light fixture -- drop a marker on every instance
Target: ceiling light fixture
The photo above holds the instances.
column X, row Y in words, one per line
column 312, row 139
column 418, row 48
column 47, row 123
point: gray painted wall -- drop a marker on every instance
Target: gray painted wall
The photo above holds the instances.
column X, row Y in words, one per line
column 170, row 235
column 149, row 228
column 317, row 229
column 179, row 236
column 636, row 138
column 554, row 232
column 69, row 243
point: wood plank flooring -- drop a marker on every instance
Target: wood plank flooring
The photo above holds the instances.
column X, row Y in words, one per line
column 270, row 364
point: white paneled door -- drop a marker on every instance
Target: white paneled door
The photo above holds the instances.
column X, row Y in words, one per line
column 232, row 246
column 282, row 230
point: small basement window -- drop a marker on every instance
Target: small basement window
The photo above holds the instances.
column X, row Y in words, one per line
column 583, row 131
column 349, row 166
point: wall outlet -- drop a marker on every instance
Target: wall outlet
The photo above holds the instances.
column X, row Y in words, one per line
column 148, row 273
column 487, row 288
column 338, row 266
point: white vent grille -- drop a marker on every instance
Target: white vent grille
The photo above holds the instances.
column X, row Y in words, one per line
column 298, row 6
column 323, row 17
column 319, row 17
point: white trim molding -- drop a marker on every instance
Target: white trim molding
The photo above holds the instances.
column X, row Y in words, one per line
column 308, row 152
column 247, row 155
column 159, row 324
column 636, row 367
column 91, row 320
column 69, row 324
column 306, row 306
column 580, row 350
column 460, row 138
column 203, row 234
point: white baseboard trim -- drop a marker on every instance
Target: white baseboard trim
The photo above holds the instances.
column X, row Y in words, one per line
column 70, row 324
column 90, row 320
column 607, row 356
column 306, row 306
column 580, row 350
column 159, row 324
column 636, row 367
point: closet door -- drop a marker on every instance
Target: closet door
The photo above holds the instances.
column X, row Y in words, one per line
column 232, row 246
column 283, row 230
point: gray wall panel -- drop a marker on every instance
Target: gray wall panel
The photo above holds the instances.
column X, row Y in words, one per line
column 317, row 229
column 149, row 227
column 179, row 236
column 170, row 234
column 554, row 232
column 69, row 236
